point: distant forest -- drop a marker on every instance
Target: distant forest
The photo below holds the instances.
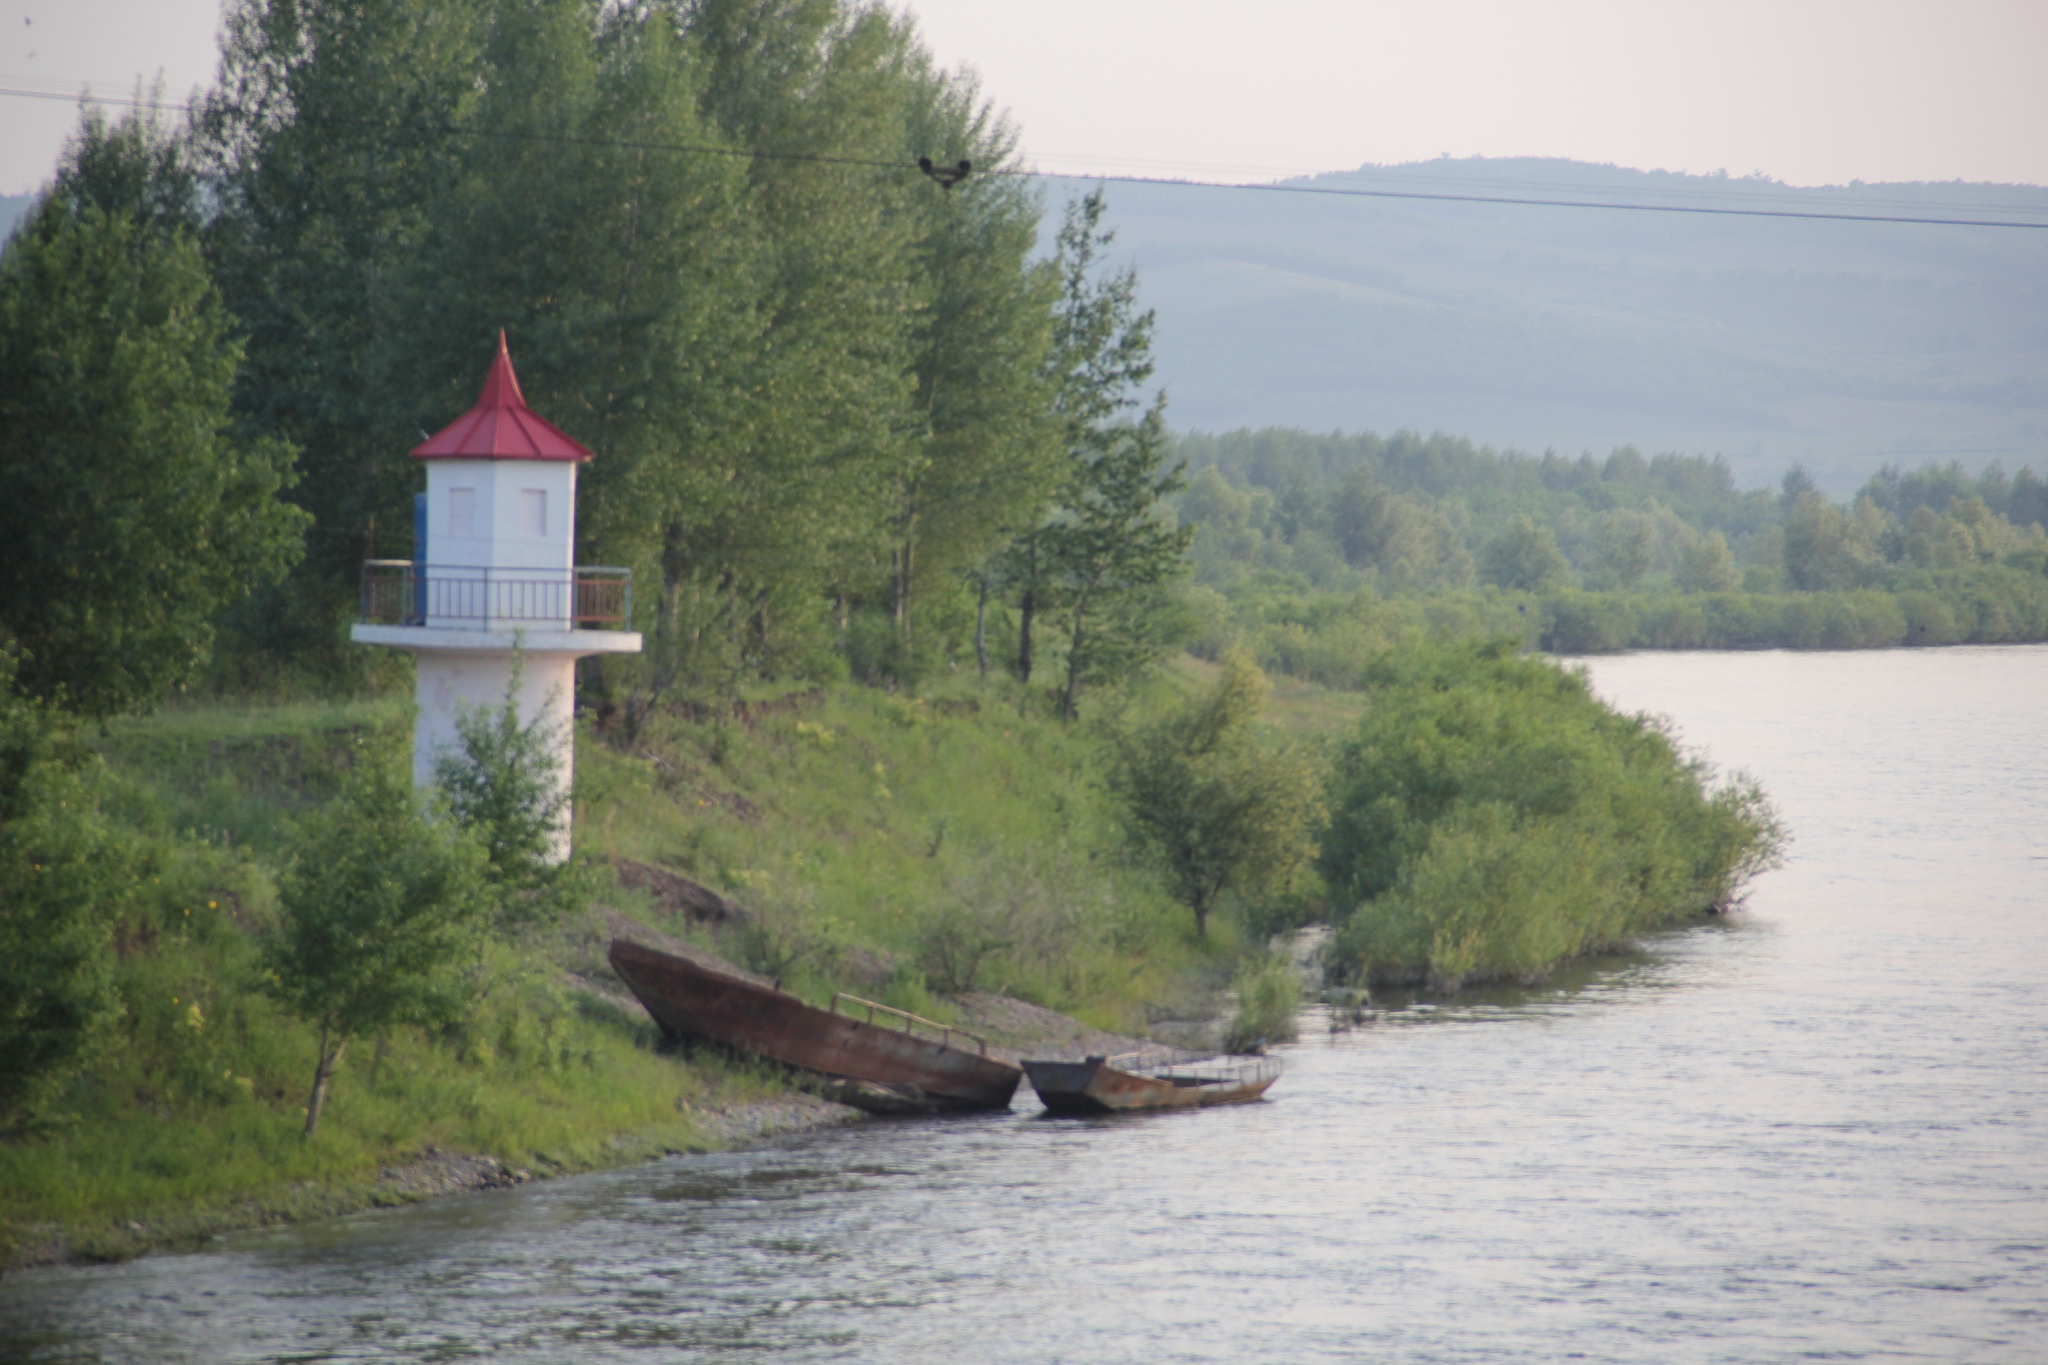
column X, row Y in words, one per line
column 1361, row 536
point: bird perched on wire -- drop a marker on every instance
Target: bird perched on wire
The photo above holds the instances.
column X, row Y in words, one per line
column 947, row 176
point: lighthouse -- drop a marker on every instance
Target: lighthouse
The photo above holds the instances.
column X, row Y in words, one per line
column 493, row 583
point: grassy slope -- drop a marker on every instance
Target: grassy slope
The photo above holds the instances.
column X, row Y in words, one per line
column 844, row 820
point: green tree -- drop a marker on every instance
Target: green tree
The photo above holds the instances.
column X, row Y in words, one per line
column 1101, row 355
column 1109, row 547
column 1624, row 547
column 985, row 459
column 1111, row 553
column 62, row 880
column 1524, row 556
column 135, row 511
column 138, row 165
column 1407, row 545
column 1366, row 519
column 803, row 506
column 1795, row 486
column 384, row 918
column 1216, row 808
column 1705, row 565
column 1829, row 550
column 334, row 132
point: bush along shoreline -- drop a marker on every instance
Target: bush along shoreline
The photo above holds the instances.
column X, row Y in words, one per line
column 1491, row 819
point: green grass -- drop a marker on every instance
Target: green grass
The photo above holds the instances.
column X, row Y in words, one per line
column 848, row 820
column 191, row 1119
column 233, row 775
column 195, row 1150
column 1296, row 708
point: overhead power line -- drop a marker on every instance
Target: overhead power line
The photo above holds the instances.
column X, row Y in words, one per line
column 1270, row 187
column 1723, row 211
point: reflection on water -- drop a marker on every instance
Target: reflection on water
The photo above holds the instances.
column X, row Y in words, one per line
column 1815, row 1129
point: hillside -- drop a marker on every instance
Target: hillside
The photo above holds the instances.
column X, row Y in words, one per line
column 1843, row 345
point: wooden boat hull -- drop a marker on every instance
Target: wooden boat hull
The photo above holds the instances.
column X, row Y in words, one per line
column 1095, row 1087
column 882, row 1068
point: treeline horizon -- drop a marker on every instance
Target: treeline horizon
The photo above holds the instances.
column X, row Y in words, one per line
column 1304, row 534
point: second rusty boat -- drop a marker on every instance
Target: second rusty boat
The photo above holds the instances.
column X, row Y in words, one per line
column 1128, row 1083
column 884, row 1059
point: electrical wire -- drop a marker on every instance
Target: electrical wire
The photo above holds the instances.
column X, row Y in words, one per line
column 1013, row 172
column 1719, row 211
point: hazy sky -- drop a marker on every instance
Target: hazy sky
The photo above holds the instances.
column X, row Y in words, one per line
column 1809, row 91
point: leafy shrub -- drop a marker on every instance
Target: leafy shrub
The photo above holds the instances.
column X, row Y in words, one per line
column 61, row 877
column 958, row 941
column 1492, row 818
column 1268, row 994
column 1009, row 923
column 502, row 783
column 383, row 919
column 1588, row 623
column 1210, row 803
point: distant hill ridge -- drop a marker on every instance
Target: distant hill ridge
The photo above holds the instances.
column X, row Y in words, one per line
column 1846, row 345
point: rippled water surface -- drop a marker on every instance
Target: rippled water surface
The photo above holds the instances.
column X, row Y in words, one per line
column 1815, row 1131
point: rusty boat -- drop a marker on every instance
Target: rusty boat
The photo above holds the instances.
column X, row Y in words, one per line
column 1129, row 1082
column 877, row 1058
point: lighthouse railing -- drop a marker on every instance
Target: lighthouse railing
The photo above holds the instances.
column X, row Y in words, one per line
column 478, row 597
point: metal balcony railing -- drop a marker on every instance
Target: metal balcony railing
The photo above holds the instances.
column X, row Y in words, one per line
column 454, row 596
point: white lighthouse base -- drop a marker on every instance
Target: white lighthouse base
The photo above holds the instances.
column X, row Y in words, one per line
column 468, row 671
column 451, row 684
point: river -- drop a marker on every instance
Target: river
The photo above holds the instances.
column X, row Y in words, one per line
column 1817, row 1130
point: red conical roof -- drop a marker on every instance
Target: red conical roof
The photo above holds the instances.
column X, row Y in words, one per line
column 501, row 426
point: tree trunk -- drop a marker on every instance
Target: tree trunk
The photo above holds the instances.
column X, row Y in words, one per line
column 1029, row 611
column 668, row 651
column 909, row 563
column 981, row 629
column 1073, row 686
column 1082, row 603
column 321, row 1071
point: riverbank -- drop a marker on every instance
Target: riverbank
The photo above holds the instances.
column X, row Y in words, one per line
column 738, row 1108
column 814, row 836
column 434, row 1173
column 957, row 856
column 704, row 1102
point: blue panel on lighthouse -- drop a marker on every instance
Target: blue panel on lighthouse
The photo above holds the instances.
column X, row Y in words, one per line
column 419, row 558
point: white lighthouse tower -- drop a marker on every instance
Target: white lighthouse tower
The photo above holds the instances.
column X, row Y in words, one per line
column 493, row 575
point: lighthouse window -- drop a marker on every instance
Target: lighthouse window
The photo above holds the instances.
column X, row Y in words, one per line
column 533, row 512
column 461, row 512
